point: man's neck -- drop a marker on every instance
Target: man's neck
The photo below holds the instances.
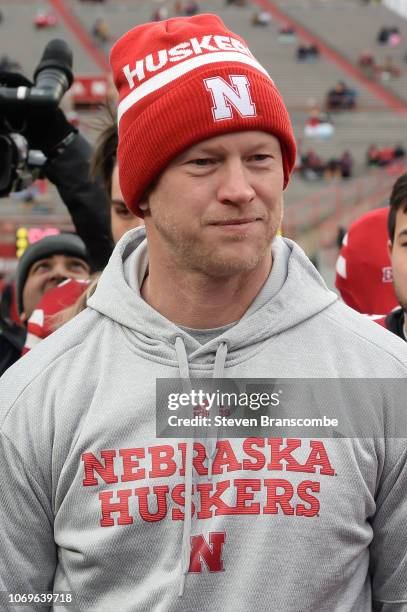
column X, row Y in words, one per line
column 195, row 300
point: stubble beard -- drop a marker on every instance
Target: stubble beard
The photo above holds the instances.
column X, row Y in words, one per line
column 212, row 260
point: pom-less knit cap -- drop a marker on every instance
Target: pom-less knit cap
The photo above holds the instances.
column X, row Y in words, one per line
column 363, row 268
column 180, row 82
column 61, row 244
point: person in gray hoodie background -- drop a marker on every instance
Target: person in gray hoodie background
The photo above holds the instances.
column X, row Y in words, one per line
column 97, row 505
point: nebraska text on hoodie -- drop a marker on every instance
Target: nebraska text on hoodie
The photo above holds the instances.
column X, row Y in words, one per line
column 92, row 502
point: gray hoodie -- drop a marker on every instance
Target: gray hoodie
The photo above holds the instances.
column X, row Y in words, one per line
column 94, row 503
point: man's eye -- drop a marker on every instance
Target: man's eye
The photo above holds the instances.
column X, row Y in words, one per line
column 259, row 157
column 202, row 161
column 41, row 267
column 77, row 265
column 124, row 213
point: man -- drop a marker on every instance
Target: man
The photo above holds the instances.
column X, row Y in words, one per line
column 396, row 321
column 104, row 166
column 93, row 502
column 374, row 281
column 44, row 265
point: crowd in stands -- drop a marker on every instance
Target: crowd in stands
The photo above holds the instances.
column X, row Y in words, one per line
column 383, row 156
column 45, row 19
column 186, row 9
column 372, row 70
column 101, row 32
column 307, row 53
column 312, row 167
column 287, row 34
column 389, row 36
column 319, row 125
column 261, row 18
column 341, row 97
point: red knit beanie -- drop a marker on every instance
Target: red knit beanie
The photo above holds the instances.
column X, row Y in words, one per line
column 182, row 81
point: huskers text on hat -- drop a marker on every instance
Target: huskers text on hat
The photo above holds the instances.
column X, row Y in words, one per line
column 156, row 61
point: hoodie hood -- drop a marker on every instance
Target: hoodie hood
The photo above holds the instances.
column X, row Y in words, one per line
column 115, row 299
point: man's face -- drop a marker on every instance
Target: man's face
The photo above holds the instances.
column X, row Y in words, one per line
column 47, row 273
column 121, row 218
column 398, row 256
column 217, row 207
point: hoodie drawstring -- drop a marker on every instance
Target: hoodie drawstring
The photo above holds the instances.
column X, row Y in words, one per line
column 184, row 374
column 186, row 534
column 213, row 430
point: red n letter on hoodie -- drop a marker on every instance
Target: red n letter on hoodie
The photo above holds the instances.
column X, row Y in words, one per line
column 210, row 553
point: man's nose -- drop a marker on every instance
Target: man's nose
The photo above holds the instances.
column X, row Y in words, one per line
column 59, row 271
column 235, row 186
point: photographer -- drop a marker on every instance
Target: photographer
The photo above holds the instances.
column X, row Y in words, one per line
column 31, row 126
column 44, row 126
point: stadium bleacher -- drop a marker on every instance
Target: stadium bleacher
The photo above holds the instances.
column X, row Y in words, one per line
column 366, row 19
column 25, row 44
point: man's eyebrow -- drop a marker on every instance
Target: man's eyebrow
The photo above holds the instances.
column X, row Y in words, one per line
column 117, row 201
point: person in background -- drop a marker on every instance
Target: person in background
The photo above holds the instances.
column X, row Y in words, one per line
column 346, row 164
column 43, row 267
column 45, row 264
column 67, row 166
column 104, row 168
column 261, row 18
column 396, row 320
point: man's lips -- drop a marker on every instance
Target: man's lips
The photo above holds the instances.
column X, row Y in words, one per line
column 226, row 222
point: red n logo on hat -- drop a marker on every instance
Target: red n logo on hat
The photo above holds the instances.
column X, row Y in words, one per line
column 227, row 97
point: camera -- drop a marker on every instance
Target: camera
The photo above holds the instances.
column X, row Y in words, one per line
column 19, row 164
